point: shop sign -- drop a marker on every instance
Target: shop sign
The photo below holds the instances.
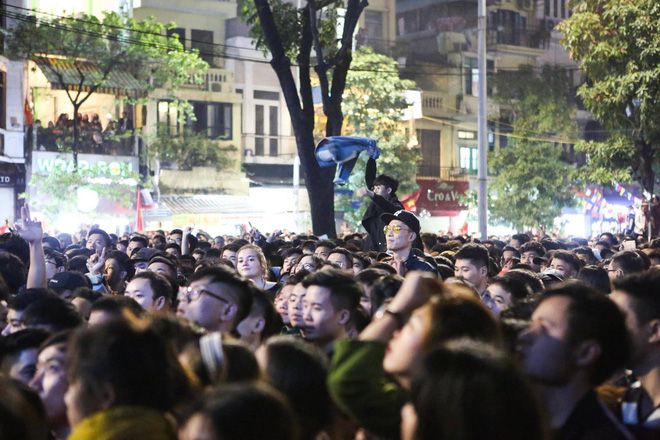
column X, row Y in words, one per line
column 441, row 195
column 47, row 162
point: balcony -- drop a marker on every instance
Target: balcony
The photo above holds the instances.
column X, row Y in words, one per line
column 431, row 171
column 268, row 149
column 523, row 38
column 59, row 138
column 214, row 80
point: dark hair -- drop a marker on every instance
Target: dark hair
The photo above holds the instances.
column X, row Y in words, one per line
column 173, row 246
column 585, row 250
column 522, row 238
column 346, row 253
column 518, row 289
column 511, row 249
column 106, row 237
column 21, row 301
column 160, row 285
column 239, row 287
column 15, row 245
column 345, row 292
column 596, row 277
column 115, row 306
column 51, row 312
column 429, row 239
column 385, row 287
column 387, row 181
column 370, row 276
column 87, row 294
column 140, row 239
column 22, row 414
column 124, row 262
column 325, row 243
column 532, row 246
column 569, row 258
column 176, row 231
column 13, row 271
column 58, row 257
column 309, row 245
column 628, row 262
column 212, row 253
column 249, row 411
column 231, row 247
column 53, row 242
column 592, row 315
column 141, row 369
column 14, row 343
column 240, row 363
column 461, row 315
column 646, row 261
column 643, row 290
column 476, row 253
column 299, row 370
column 262, row 304
column 466, row 381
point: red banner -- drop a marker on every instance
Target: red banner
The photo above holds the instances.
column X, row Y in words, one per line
column 441, row 197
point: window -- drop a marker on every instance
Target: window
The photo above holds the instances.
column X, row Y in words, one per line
column 429, row 140
column 270, row 96
column 168, row 117
column 213, row 118
column 3, row 100
column 266, row 129
column 472, row 75
column 180, row 32
column 469, row 158
column 373, row 30
column 273, row 122
column 203, row 42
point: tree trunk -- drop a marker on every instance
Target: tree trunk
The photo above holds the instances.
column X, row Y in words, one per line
column 644, row 170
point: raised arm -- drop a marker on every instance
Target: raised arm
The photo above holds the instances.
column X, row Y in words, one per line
column 33, row 233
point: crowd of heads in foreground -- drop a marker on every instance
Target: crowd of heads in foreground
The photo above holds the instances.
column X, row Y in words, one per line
column 174, row 334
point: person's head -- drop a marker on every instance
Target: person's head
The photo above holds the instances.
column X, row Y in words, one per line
column 65, row 240
column 118, row 269
column 119, row 364
column 55, row 262
column 509, row 253
column 51, row 313
column 330, row 298
column 217, row 298
column 517, row 240
column 586, row 254
column 18, row 353
column 229, row 252
column 173, row 249
column 361, row 261
column 113, row 307
column 50, row 380
column 385, row 185
column 529, row 251
column 218, row 242
column 151, row 290
column 608, row 238
column 637, row 297
column 341, row 257
column 251, row 262
column 299, row 370
column 595, row 276
column 159, row 241
column 624, row 263
column 472, row 264
column 468, row 390
column 402, row 230
column 15, row 245
column 140, row 258
column 444, row 317
column 242, row 411
column 83, row 300
column 17, row 305
column 13, row 271
column 382, row 290
column 323, row 248
column 566, row 263
column 262, row 322
column 308, row 263
column 289, row 257
column 296, row 294
column 136, row 242
column 64, row 284
column 22, row 415
column 97, row 240
column 175, row 236
column 163, row 266
column 577, row 335
column 505, row 290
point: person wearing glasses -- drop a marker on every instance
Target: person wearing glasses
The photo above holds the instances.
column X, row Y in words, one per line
column 401, row 233
column 342, row 258
column 217, row 299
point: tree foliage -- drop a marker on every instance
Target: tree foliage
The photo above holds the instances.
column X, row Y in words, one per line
column 374, row 105
column 533, row 178
column 288, row 32
column 618, row 45
column 191, row 150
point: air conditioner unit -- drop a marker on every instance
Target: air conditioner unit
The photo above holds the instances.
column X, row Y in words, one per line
column 215, row 86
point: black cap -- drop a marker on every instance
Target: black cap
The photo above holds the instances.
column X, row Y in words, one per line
column 406, row 217
column 68, row 281
column 143, row 254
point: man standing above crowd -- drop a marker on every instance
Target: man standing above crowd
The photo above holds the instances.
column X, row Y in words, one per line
column 401, row 232
column 637, row 297
column 383, row 200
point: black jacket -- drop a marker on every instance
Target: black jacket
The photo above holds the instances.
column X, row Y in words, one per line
column 379, row 205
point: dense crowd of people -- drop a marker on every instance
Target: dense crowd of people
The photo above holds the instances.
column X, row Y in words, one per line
column 114, row 138
column 177, row 334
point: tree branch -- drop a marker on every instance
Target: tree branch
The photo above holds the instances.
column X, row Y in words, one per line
column 321, row 67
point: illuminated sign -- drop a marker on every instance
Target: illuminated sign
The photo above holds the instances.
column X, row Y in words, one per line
column 44, row 162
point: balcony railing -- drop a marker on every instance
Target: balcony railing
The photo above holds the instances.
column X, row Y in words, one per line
column 443, row 173
column 61, row 139
column 214, row 80
column 535, row 39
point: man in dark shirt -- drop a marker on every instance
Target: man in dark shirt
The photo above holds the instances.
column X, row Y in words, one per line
column 382, row 192
column 401, row 232
column 577, row 339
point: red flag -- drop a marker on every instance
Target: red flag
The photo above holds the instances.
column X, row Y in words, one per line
column 28, row 113
column 410, row 200
column 139, row 225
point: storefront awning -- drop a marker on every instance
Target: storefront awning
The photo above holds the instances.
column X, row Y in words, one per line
column 118, row 82
column 203, row 204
